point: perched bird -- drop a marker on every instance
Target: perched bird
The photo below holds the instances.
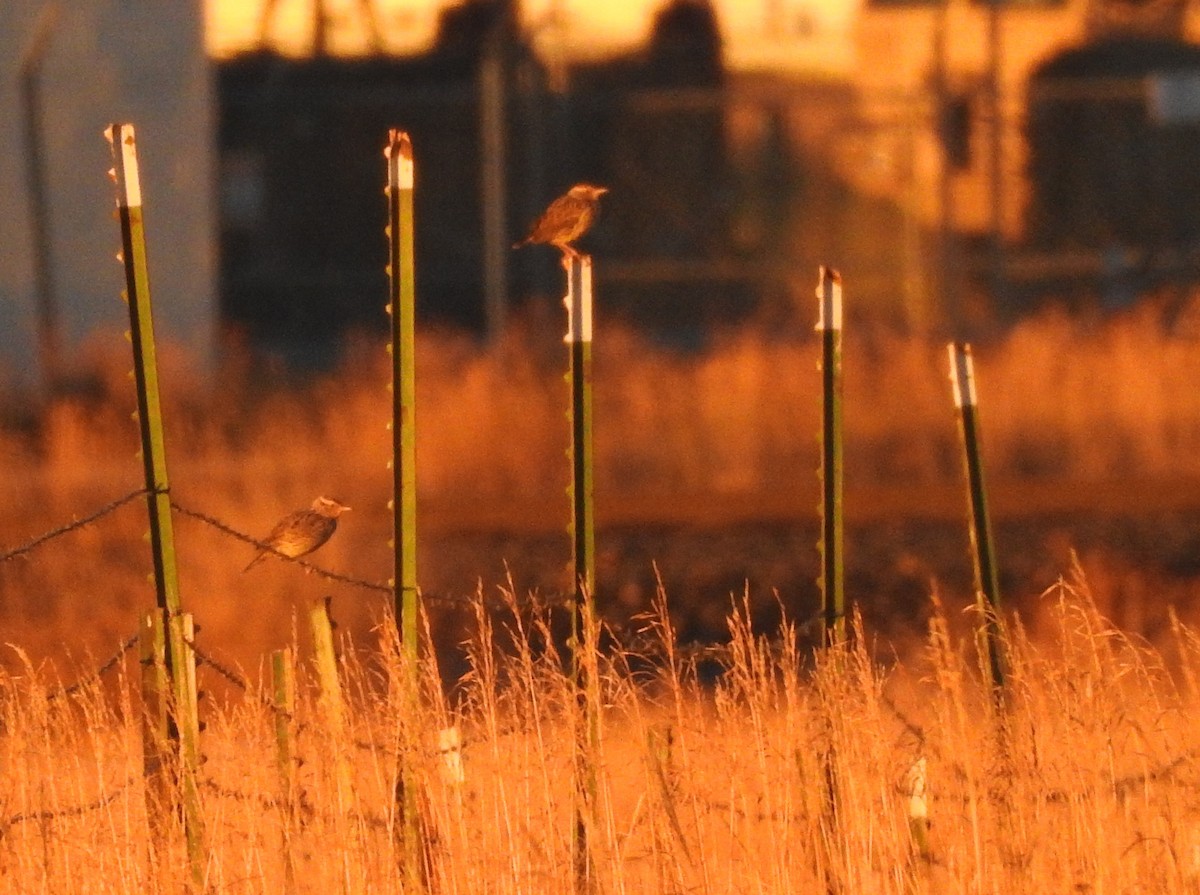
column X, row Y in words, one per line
column 302, row 532
column 567, row 219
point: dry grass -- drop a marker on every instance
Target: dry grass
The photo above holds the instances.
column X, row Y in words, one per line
column 1087, row 783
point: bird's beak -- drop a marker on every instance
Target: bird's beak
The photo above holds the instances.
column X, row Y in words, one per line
column 600, row 190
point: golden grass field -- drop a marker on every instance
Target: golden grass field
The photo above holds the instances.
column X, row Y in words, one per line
column 708, row 783
column 784, row 775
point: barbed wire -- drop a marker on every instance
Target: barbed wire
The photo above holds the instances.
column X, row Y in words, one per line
column 639, row 644
column 30, row 546
column 206, row 658
column 72, row 811
column 302, row 804
column 104, row 668
column 460, row 601
column 232, row 532
column 237, row 795
column 1162, row 772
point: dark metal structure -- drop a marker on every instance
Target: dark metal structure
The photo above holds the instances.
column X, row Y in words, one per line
column 302, row 258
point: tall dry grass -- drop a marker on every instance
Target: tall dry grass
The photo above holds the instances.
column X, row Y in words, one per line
column 1086, row 782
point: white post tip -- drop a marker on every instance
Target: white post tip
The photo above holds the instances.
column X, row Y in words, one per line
column 962, row 374
column 128, row 182
column 400, row 147
column 578, row 299
column 829, row 294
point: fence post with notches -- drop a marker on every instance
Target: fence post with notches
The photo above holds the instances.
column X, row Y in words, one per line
column 402, row 309
column 583, row 560
column 123, row 143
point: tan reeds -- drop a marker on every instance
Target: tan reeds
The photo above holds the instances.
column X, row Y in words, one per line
column 703, row 784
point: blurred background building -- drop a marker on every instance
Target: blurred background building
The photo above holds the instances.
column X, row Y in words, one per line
column 960, row 161
column 67, row 71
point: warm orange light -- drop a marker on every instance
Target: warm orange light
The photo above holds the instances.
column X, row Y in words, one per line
column 786, row 34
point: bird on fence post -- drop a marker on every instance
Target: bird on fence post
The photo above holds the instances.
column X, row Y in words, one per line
column 566, row 219
column 301, row 532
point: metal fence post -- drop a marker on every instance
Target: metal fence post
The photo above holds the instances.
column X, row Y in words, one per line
column 180, row 635
column 401, row 307
column 179, row 661
column 583, row 556
column 145, row 362
column 987, row 584
column 829, row 324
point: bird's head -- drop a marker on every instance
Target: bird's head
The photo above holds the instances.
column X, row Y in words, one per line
column 587, row 191
column 328, row 507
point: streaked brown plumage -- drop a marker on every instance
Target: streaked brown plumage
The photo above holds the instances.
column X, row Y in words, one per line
column 567, row 219
column 302, row 532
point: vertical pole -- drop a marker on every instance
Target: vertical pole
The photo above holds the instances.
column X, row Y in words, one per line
column 284, row 704
column 987, row 585
column 182, row 726
column 583, row 554
column 494, row 161
column 48, row 333
column 402, row 307
column 181, row 636
column 145, row 365
column 833, row 608
column 156, row 749
column 579, row 337
column 157, row 736
column 403, row 388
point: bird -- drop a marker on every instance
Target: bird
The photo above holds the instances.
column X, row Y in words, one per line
column 566, row 219
column 301, row 532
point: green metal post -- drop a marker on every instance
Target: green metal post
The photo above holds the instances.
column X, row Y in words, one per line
column 583, row 554
column 181, row 636
column 829, row 324
column 401, row 307
column 145, row 365
column 182, row 725
column 156, row 748
column 579, row 338
column 987, row 584
column 404, row 442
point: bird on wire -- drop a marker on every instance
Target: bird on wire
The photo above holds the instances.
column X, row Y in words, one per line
column 566, row 219
column 301, row 532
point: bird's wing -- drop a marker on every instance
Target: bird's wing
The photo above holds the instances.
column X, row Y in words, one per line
column 284, row 525
column 557, row 218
